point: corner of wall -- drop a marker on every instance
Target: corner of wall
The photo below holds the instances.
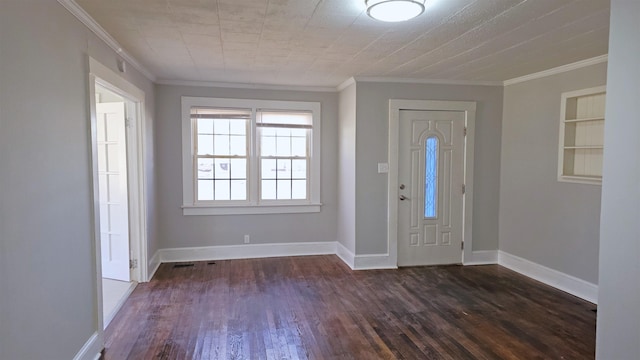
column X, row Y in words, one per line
column 154, row 264
column 482, row 257
column 92, row 349
column 345, row 255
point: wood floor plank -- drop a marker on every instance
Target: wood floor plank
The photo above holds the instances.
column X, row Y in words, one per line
column 317, row 308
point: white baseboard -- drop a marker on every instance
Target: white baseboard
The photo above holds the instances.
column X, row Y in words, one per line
column 252, row 251
column 92, row 348
column 154, row 264
column 574, row 286
column 364, row 262
column 345, row 255
column 482, row 257
column 374, row 261
column 246, row 251
column 551, row 277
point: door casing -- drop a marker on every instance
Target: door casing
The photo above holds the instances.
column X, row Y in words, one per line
column 397, row 105
column 105, row 77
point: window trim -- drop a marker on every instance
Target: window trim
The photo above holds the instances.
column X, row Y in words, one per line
column 253, row 206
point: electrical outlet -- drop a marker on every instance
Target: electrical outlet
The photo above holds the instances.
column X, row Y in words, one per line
column 247, row 239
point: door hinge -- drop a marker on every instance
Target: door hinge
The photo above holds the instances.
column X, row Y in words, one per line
column 464, row 188
column 462, row 245
column 465, row 131
column 133, row 264
column 128, row 123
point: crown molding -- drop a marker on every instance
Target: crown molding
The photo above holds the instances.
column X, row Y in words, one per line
column 427, row 81
column 558, row 70
column 256, row 86
column 340, row 87
column 345, row 84
column 90, row 23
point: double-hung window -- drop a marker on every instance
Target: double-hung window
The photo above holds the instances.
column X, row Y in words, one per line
column 250, row 156
column 283, row 139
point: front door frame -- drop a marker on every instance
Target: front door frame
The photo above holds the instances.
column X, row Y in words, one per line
column 397, row 105
column 100, row 74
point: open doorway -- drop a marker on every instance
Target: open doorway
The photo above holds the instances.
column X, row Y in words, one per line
column 113, row 188
column 118, row 180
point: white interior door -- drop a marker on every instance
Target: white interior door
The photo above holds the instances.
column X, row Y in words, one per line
column 112, row 180
column 430, row 178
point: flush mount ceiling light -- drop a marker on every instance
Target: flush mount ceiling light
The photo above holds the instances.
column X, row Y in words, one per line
column 394, row 10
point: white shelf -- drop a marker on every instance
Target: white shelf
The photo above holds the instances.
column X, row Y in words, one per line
column 584, row 119
column 591, row 180
column 582, row 136
column 584, row 147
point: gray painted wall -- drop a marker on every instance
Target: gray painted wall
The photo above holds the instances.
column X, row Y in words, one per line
column 176, row 230
column 618, row 333
column 347, row 169
column 47, row 262
column 372, row 138
column 555, row 224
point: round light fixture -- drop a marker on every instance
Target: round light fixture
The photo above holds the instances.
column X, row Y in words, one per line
column 394, row 10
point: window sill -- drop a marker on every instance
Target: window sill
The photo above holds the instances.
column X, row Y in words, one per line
column 189, row 210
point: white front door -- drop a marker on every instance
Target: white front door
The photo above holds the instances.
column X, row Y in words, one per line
column 112, row 180
column 430, row 177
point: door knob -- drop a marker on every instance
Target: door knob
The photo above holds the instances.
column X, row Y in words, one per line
column 402, row 198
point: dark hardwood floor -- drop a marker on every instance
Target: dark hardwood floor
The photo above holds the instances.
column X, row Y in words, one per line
column 317, row 308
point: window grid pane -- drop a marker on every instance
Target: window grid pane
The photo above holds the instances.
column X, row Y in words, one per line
column 205, row 144
column 205, row 190
column 283, row 163
column 221, row 137
column 299, row 189
column 224, row 178
column 283, row 178
column 221, row 159
column 268, row 190
column 431, row 178
column 283, row 189
column 238, row 189
column 205, row 168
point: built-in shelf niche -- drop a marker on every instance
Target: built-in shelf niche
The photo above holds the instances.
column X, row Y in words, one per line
column 582, row 136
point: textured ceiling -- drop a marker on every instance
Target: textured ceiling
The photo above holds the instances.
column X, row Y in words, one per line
column 324, row 42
